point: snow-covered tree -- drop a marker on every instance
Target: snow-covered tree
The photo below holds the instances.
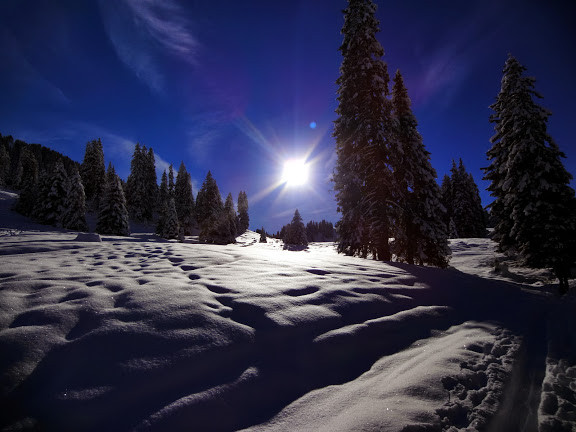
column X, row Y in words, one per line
column 208, row 201
column 27, row 182
column 296, row 232
column 169, row 228
column 361, row 176
column 93, row 172
column 230, row 214
column 55, row 204
column 171, row 180
column 534, row 204
column 162, row 205
column 141, row 185
column 184, row 200
column 243, row 217
column 464, row 208
column 4, row 165
column 75, row 206
column 421, row 235
column 113, row 215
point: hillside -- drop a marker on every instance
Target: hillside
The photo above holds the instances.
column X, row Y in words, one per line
column 140, row 333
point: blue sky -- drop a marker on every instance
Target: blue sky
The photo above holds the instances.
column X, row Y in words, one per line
column 233, row 87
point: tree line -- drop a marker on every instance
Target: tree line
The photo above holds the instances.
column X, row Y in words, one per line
column 57, row 191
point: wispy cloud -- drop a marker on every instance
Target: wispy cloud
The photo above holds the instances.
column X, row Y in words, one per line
column 141, row 30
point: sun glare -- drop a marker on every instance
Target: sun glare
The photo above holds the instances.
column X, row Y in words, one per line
column 295, row 172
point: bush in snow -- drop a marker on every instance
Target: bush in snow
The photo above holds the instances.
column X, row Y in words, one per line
column 533, row 202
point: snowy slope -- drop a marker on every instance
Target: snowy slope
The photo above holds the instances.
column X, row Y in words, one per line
column 143, row 334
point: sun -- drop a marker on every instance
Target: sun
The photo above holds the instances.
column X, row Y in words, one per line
column 295, row 172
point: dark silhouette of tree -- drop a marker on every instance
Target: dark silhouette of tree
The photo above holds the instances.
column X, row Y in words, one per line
column 421, row 235
column 362, row 176
column 533, row 202
column 93, row 172
column 75, row 205
column 296, row 232
column 28, row 179
column 141, row 185
column 461, row 197
column 113, row 215
column 184, row 200
column 170, row 228
column 4, row 165
column 263, row 236
column 243, row 217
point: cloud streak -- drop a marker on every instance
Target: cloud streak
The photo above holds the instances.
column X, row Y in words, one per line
column 141, row 31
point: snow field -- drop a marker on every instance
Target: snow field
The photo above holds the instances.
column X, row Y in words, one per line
column 140, row 333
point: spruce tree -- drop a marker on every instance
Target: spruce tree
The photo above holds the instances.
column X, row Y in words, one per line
column 53, row 202
column 75, row 205
column 162, row 205
column 534, row 204
column 28, row 178
column 93, row 172
column 113, row 215
column 230, row 214
column 421, row 235
column 141, row 184
column 263, row 236
column 4, row 165
column 170, row 228
column 296, row 232
column 362, row 176
column 208, row 201
column 466, row 207
column 171, row 180
column 243, row 217
column 184, row 200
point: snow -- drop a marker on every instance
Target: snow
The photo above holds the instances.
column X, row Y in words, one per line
column 140, row 333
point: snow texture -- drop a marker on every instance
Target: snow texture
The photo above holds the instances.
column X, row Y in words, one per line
column 139, row 333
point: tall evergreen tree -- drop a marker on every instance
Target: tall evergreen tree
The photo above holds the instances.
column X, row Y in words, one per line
column 93, row 172
column 230, row 215
column 169, row 227
column 184, row 200
column 534, row 204
column 54, row 205
column 163, row 198
column 171, row 180
column 362, row 176
column 421, row 234
column 296, row 232
column 208, row 201
column 141, row 184
column 75, row 206
column 113, row 215
column 243, row 217
column 28, row 179
column 4, row 165
column 465, row 208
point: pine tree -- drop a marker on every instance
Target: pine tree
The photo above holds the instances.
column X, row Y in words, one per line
column 28, row 178
column 171, row 180
column 4, row 165
column 421, row 234
column 52, row 203
column 361, row 176
column 296, row 232
column 230, row 214
column 75, row 205
column 93, row 172
column 113, row 215
column 141, row 185
column 534, row 204
column 162, row 205
column 263, row 236
column 210, row 213
column 184, row 200
column 466, row 207
column 243, row 217
column 170, row 228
